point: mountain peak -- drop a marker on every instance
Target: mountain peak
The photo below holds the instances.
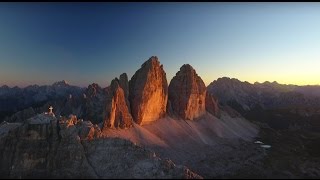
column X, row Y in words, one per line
column 4, row 87
column 269, row 83
column 223, row 79
column 148, row 92
column 187, row 93
column 186, row 67
column 61, row 83
column 227, row 80
column 153, row 60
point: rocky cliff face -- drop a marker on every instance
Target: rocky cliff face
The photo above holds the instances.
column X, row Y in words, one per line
column 46, row 147
column 124, row 84
column 117, row 111
column 148, row 94
column 95, row 103
column 27, row 147
column 187, row 93
column 212, row 105
column 70, row 160
column 72, row 105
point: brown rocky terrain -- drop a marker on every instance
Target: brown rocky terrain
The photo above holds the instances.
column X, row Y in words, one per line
column 46, row 147
column 148, row 92
column 117, row 111
column 187, row 94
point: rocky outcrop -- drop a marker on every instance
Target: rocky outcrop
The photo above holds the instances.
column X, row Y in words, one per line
column 117, row 111
column 21, row 115
column 84, row 129
column 89, row 131
column 93, row 90
column 70, row 160
column 187, row 93
column 28, row 147
column 148, row 92
column 109, row 105
column 72, row 105
column 121, row 159
column 8, row 142
column 95, row 103
column 124, row 84
column 46, row 147
column 212, row 105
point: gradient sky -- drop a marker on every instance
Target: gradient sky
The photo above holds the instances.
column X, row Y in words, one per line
column 41, row 43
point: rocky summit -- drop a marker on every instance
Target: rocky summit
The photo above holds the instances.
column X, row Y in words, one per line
column 148, row 92
column 117, row 110
column 187, row 93
column 124, row 84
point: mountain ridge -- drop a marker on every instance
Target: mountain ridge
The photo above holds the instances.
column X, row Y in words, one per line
column 209, row 129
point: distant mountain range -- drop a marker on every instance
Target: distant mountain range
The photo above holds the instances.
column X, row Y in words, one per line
column 280, row 102
column 267, row 95
column 246, row 98
column 16, row 99
column 103, row 132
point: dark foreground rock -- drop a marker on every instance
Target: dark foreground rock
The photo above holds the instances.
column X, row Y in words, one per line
column 47, row 147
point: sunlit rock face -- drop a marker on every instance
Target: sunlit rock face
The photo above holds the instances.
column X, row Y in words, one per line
column 148, row 92
column 187, row 93
column 117, row 111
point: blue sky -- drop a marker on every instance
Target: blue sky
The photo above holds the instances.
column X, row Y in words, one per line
column 41, row 43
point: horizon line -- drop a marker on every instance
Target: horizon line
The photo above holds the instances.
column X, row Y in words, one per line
column 206, row 83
